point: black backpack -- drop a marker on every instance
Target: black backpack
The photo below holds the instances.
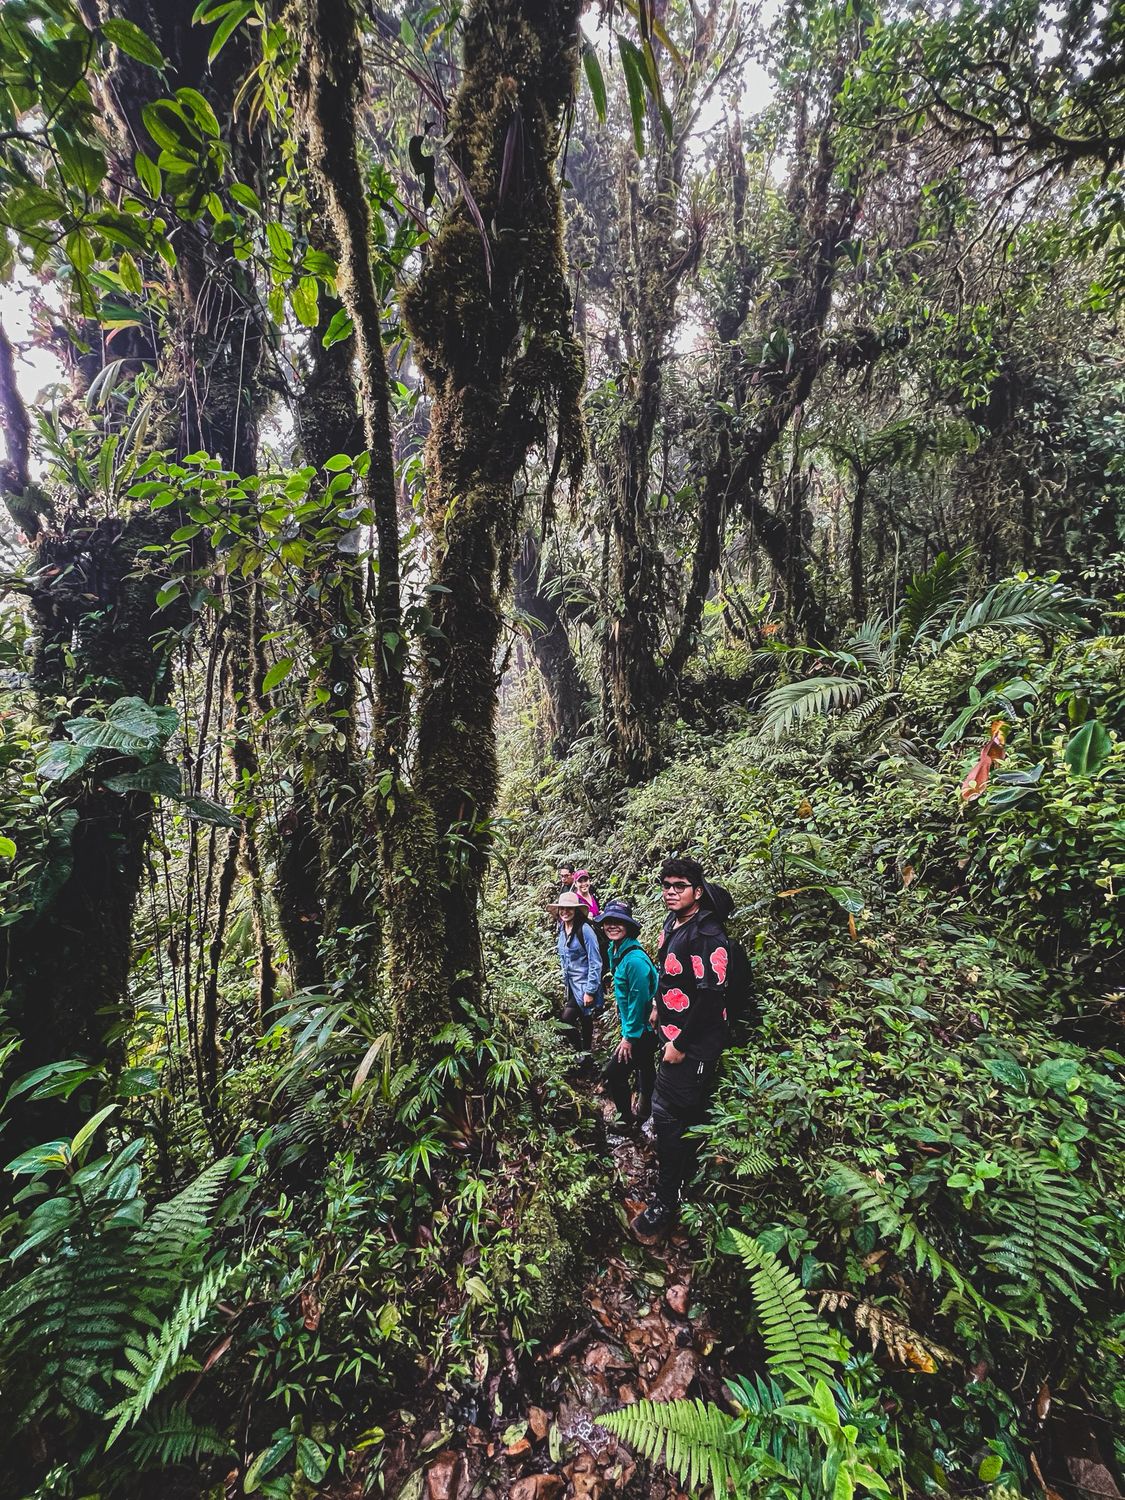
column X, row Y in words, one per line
column 742, row 1005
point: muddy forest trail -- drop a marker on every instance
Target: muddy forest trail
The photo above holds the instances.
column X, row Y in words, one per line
column 637, row 1332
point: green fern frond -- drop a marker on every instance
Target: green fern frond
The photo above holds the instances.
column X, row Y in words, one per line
column 878, row 1207
column 1044, row 1240
column 172, row 1437
column 175, row 1228
column 855, row 720
column 750, row 1159
column 698, row 1442
column 869, row 643
column 1016, row 604
column 159, row 1359
column 792, row 703
column 796, row 1340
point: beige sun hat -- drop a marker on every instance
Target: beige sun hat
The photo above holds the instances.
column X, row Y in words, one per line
column 567, row 899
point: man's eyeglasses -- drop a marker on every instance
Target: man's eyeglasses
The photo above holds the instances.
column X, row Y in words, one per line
column 676, row 885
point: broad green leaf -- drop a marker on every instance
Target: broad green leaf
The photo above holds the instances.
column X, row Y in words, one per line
column 168, row 127
column 277, row 673
column 148, row 174
column 80, row 250
column 86, row 1133
column 313, row 1459
column 203, row 810
column 245, row 196
column 269, row 1458
column 200, row 111
column 339, row 328
column 305, row 299
column 161, row 778
column 130, row 275
column 7, row 847
column 990, row 1468
column 62, row 760
column 233, row 18
column 131, row 39
column 1088, row 748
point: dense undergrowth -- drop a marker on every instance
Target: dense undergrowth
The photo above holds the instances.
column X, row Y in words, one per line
column 928, row 1126
column 918, row 1151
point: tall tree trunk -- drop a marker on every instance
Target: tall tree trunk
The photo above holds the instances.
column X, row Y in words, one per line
column 568, row 702
column 491, row 318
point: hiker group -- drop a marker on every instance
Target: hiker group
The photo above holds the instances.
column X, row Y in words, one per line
column 675, row 1011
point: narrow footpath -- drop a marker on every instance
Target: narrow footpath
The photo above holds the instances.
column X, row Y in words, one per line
column 640, row 1334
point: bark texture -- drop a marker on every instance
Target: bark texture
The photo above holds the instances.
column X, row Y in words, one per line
column 490, row 314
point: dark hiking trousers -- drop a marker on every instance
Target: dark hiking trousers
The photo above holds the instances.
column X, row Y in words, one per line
column 680, row 1100
column 638, row 1074
column 581, row 1020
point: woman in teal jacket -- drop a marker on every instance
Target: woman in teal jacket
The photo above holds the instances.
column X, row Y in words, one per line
column 634, row 984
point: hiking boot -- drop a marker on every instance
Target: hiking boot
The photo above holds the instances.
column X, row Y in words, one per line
column 651, row 1226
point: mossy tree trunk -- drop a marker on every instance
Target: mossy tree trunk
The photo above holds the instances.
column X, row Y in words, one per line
column 490, row 314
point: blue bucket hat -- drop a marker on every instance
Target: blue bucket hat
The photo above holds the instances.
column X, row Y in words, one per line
column 619, row 911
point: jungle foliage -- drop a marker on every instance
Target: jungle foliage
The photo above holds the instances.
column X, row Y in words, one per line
column 484, row 434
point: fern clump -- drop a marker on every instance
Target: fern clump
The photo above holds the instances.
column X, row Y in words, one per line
column 796, row 1340
column 695, row 1440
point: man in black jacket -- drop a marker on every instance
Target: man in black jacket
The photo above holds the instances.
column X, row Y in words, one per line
column 690, row 1018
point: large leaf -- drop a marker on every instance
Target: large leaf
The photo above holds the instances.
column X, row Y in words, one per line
column 1016, row 604
column 161, row 778
column 1088, row 748
column 62, row 760
column 130, row 725
column 129, row 37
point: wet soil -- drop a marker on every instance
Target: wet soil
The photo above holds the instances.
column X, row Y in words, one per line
column 639, row 1332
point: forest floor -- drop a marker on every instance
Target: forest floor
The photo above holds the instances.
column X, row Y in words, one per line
column 639, row 1332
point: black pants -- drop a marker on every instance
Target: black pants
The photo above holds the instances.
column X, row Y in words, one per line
column 581, row 1019
column 680, row 1100
column 619, row 1079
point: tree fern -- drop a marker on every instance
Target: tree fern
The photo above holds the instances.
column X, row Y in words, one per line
column 796, row 1340
column 697, row 1441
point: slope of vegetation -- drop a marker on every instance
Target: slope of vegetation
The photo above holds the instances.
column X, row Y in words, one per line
column 485, row 435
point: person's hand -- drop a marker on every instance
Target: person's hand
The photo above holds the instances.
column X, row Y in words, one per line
column 624, row 1050
column 587, row 1001
column 652, row 1017
column 672, row 1054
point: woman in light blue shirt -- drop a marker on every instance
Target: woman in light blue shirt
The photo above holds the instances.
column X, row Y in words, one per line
column 580, row 962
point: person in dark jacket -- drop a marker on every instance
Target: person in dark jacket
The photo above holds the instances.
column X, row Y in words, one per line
column 580, row 962
column 635, row 981
column 691, row 1031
